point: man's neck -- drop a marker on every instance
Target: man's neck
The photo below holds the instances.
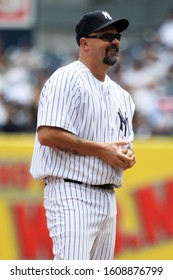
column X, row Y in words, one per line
column 98, row 72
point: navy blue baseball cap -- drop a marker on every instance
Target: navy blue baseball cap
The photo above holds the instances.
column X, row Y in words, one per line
column 95, row 21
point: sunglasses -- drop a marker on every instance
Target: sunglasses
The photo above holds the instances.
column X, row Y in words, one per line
column 108, row 37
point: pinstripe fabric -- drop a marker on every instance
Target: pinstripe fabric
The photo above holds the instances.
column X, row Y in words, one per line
column 81, row 221
column 75, row 100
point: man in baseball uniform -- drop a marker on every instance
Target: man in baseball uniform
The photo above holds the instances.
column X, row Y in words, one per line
column 83, row 143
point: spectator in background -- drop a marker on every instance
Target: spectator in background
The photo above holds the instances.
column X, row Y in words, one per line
column 165, row 32
column 169, row 81
column 22, row 69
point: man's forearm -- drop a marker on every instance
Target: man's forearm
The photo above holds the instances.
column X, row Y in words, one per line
column 60, row 139
column 111, row 152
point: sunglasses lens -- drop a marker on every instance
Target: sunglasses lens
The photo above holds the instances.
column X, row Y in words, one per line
column 110, row 37
column 118, row 36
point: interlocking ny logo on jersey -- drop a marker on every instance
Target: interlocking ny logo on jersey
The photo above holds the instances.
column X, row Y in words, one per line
column 106, row 15
column 123, row 122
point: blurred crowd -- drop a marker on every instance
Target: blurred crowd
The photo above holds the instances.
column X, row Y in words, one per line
column 145, row 70
column 23, row 70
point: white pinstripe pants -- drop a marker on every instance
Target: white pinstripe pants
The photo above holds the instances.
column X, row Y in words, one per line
column 81, row 221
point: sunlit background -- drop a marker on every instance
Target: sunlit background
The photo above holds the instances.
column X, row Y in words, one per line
column 36, row 38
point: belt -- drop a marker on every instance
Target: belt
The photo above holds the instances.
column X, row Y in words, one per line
column 103, row 187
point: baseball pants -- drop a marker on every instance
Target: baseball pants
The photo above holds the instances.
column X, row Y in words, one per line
column 81, row 221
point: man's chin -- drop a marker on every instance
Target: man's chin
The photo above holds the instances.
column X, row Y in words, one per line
column 110, row 61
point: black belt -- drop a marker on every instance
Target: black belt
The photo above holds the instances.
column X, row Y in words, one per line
column 105, row 186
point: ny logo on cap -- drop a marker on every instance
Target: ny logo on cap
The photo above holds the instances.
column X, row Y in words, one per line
column 106, row 15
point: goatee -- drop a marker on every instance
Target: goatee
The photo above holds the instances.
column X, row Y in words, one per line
column 111, row 59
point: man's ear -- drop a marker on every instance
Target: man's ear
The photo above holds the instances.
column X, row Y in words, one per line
column 83, row 42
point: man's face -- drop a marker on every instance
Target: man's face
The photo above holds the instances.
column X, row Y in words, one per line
column 109, row 49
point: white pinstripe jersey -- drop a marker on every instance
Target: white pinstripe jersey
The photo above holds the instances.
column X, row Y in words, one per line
column 75, row 100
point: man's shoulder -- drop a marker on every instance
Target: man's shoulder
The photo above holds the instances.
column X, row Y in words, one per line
column 114, row 84
column 117, row 87
column 68, row 70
